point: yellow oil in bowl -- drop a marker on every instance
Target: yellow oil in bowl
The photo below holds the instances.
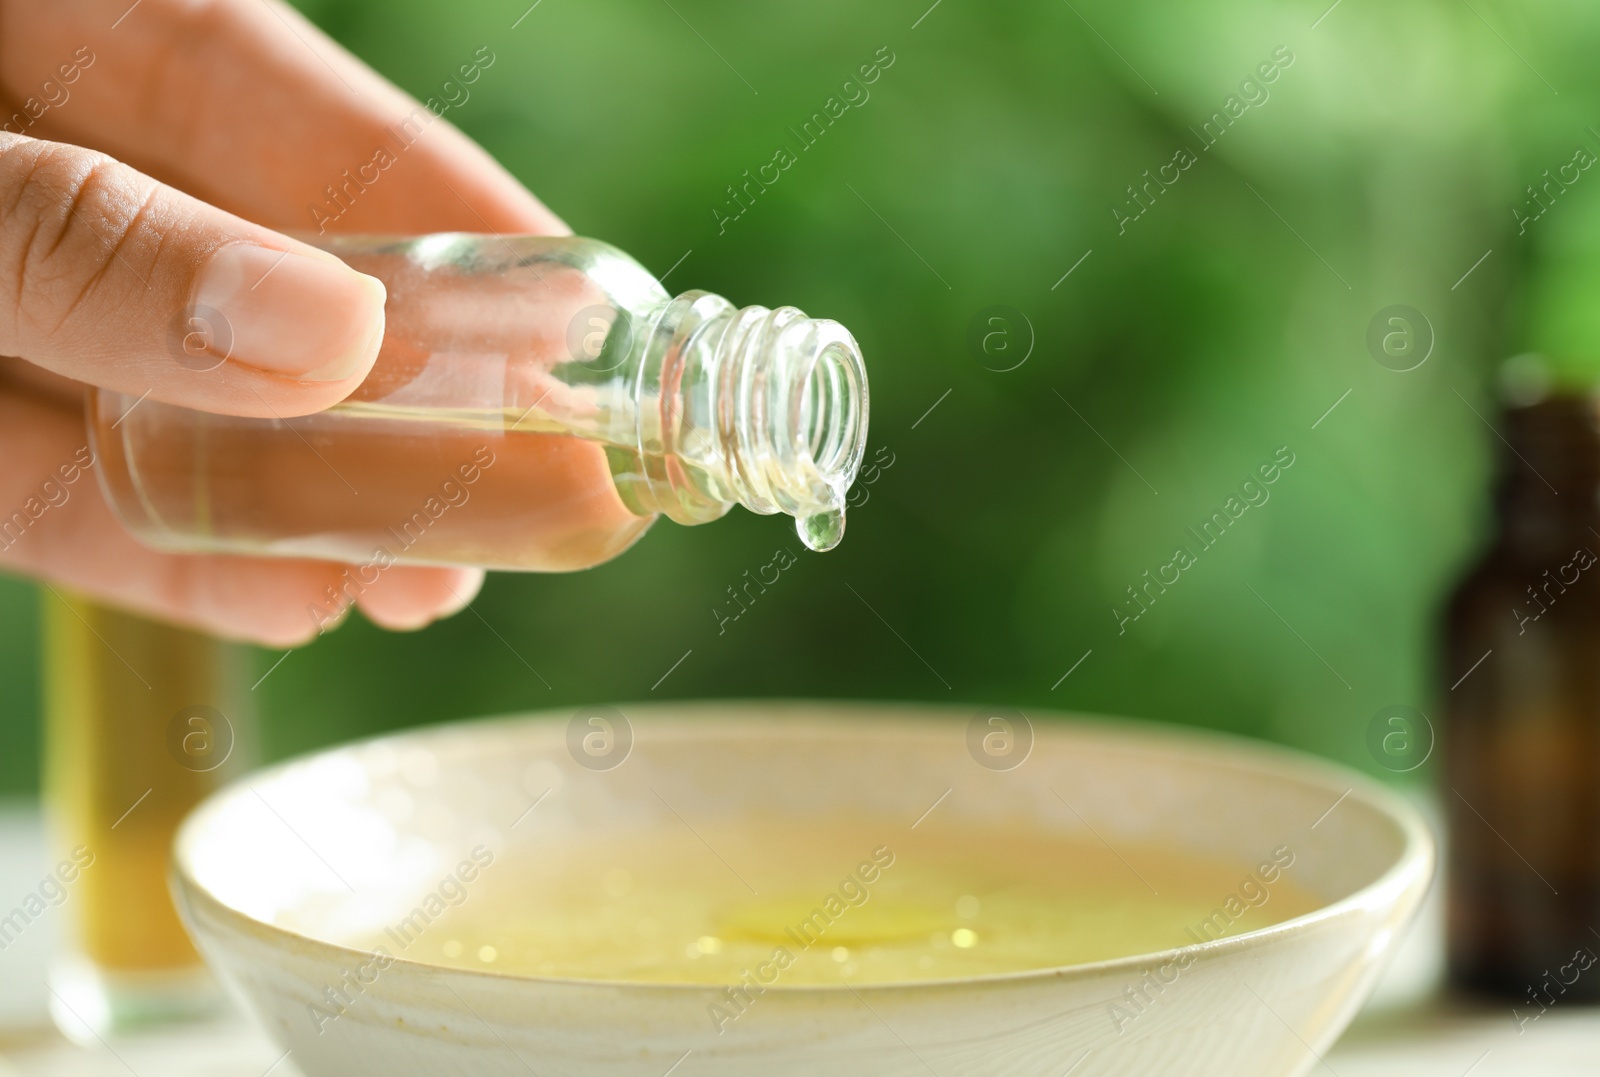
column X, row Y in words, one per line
column 807, row 904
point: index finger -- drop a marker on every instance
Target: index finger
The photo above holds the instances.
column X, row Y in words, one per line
column 252, row 108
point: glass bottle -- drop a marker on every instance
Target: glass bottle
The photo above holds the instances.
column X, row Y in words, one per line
column 1522, row 734
column 142, row 721
column 536, row 403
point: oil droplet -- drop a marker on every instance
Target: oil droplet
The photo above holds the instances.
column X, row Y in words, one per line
column 487, row 954
column 967, row 907
column 452, row 948
column 821, row 531
column 708, row 944
column 964, row 937
column 841, row 954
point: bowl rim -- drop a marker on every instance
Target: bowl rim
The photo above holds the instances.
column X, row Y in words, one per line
column 1415, row 863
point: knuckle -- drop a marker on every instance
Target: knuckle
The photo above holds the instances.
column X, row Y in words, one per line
column 66, row 218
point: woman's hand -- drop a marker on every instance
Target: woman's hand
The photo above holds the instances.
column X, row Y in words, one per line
column 147, row 152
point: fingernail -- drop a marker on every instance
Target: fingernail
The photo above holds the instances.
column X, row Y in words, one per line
column 300, row 316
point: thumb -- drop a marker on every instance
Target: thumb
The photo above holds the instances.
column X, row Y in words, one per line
column 111, row 278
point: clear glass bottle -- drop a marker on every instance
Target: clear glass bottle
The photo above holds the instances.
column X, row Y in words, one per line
column 537, row 402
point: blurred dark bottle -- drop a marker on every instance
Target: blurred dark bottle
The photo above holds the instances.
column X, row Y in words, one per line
column 1522, row 735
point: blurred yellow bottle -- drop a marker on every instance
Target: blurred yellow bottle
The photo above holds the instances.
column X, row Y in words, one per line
column 142, row 720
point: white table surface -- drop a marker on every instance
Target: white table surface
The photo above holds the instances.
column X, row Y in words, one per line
column 1408, row 1030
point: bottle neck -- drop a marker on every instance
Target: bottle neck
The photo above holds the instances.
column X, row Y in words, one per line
column 1548, row 497
column 751, row 406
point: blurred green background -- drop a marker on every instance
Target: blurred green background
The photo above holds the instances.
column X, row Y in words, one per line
column 1376, row 169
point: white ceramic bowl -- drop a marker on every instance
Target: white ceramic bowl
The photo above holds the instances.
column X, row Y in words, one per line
column 269, row 869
